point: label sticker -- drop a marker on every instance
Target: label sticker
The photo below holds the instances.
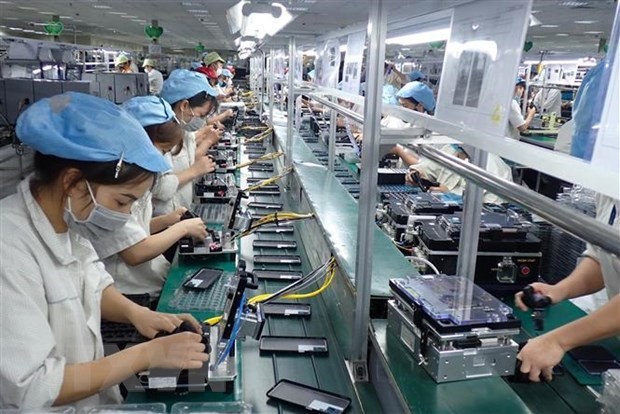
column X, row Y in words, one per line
column 323, row 407
column 162, row 382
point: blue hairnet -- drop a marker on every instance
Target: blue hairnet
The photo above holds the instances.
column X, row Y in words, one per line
column 389, row 95
column 587, row 112
column 195, row 65
column 184, row 84
column 519, row 81
column 149, row 110
column 83, row 127
column 420, row 92
column 416, row 75
column 227, row 73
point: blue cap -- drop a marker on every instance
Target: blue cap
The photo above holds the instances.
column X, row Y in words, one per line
column 420, row 92
column 195, row 65
column 227, row 73
column 83, row 127
column 416, row 75
column 149, row 110
column 184, row 84
column 519, row 80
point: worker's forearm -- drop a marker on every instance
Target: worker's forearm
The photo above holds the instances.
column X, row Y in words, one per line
column 83, row 380
column 152, row 246
column 217, row 118
column 186, row 176
column 159, row 223
column 587, row 278
column 600, row 324
column 407, row 156
column 115, row 307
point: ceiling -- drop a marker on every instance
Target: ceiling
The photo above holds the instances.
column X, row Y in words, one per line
column 567, row 26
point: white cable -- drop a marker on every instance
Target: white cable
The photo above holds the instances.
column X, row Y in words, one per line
column 426, row 262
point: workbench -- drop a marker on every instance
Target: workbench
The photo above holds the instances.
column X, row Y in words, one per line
column 398, row 383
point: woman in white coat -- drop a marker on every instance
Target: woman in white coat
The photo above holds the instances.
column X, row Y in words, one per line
column 191, row 98
column 134, row 254
column 54, row 290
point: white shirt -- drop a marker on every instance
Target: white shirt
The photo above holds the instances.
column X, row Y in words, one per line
column 610, row 264
column 565, row 137
column 548, row 101
column 515, row 120
column 156, row 82
column 164, row 200
column 148, row 277
column 50, row 306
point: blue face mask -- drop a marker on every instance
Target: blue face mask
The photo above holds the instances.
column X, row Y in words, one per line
column 100, row 222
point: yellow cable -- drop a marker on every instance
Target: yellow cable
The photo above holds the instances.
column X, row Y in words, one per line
column 259, row 137
column 266, row 157
column 268, row 180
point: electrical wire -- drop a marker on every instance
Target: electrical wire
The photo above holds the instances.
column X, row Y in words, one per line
column 268, row 181
column 281, row 217
column 233, row 335
column 425, row 261
column 266, row 157
column 259, row 137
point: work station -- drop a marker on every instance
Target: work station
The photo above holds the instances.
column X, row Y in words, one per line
column 329, row 206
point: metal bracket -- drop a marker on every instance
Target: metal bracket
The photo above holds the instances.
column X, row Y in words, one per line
column 360, row 370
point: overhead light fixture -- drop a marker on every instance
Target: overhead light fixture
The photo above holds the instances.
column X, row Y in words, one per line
column 199, row 11
column 16, row 29
column 573, row 3
column 101, row 6
column 129, row 17
column 586, row 21
column 539, row 37
column 257, row 19
column 562, row 34
column 117, row 13
column 48, row 13
column 549, row 26
column 593, row 32
column 26, row 8
column 28, row 31
column 420, row 38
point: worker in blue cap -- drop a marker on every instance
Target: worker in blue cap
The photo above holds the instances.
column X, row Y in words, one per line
column 134, row 254
column 417, row 96
column 516, row 122
column 192, row 99
column 92, row 162
column 224, row 85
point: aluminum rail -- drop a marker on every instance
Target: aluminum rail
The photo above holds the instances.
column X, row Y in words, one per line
column 576, row 223
column 338, row 108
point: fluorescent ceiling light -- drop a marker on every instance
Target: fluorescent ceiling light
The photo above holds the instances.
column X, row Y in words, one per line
column 539, row 37
column 16, row 29
column 199, row 11
column 586, row 21
column 26, row 8
column 582, row 61
column 66, row 17
column 420, row 38
column 549, row 26
column 48, row 13
column 117, row 13
column 574, row 3
column 129, row 17
column 28, row 31
column 593, row 32
column 562, row 34
column 101, row 6
column 11, row 18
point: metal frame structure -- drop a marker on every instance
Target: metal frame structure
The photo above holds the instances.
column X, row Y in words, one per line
column 555, row 164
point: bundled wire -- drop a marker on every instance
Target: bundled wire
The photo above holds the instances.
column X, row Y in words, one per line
column 327, row 271
column 268, row 181
column 259, row 137
column 266, row 157
column 277, row 218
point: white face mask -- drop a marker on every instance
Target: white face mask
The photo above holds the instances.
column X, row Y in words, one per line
column 195, row 123
column 101, row 221
column 218, row 72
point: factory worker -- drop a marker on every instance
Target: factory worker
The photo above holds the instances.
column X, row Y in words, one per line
column 214, row 61
column 156, row 79
column 516, row 122
column 224, row 84
column 596, row 271
column 122, row 63
column 212, row 76
column 191, row 98
column 92, row 161
column 548, row 101
column 134, row 254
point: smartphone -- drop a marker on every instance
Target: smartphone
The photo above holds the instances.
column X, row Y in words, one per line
column 203, row 279
column 266, row 259
column 594, row 367
column 302, row 310
column 274, row 244
column 296, row 344
column 309, row 398
column 278, row 274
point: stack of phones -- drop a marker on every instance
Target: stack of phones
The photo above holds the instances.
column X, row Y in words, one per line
column 309, row 398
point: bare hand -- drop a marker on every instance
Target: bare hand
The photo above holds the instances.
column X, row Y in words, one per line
column 179, row 351
column 204, row 165
column 150, row 323
column 175, row 216
column 227, row 113
column 531, row 111
column 540, row 355
column 543, row 288
column 194, row 228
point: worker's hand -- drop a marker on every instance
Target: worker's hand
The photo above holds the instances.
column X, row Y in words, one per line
column 227, row 114
column 396, row 150
column 531, row 111
column 150, row 323
column 207, row 133
column 179, row 351
column 203, row 165
column 194, row 228
column 409, row 176
column 175, row 216
column 219, row 126
column 539, row 356
column 548, row 290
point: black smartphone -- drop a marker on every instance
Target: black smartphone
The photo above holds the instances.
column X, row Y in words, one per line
column 266, row 259
column 309, row 398
column 278, row 274
column 302, row 310
column 203, row 279
column 274, row 244
column 296, row 344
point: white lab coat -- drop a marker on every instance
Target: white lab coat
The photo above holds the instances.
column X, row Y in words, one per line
column 515, row 120
column 148, row 277
column 610, row 264
column 156, row 82
column 548, row 101
column 50, row 306
column 164, row 199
